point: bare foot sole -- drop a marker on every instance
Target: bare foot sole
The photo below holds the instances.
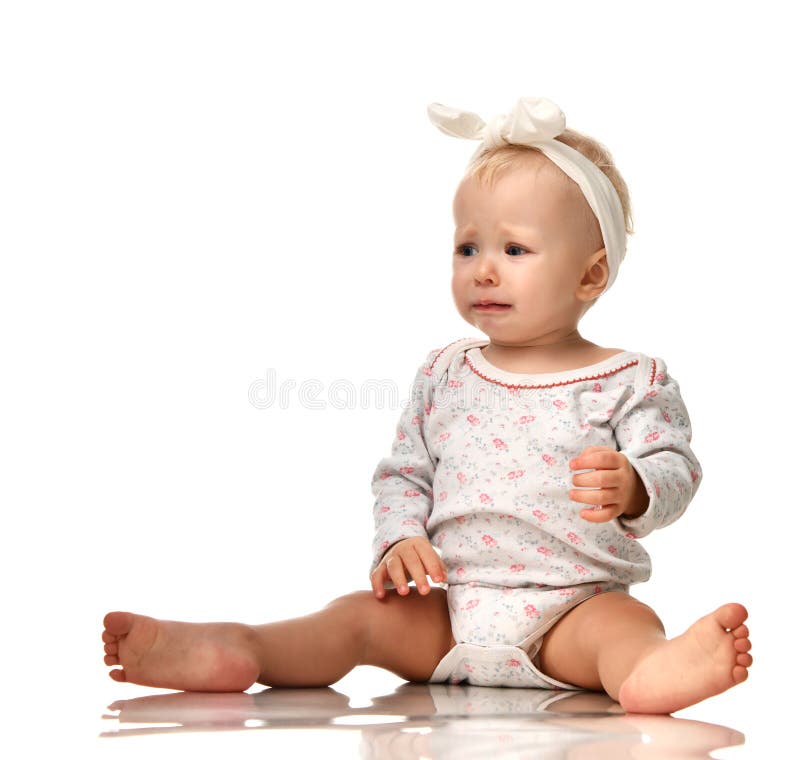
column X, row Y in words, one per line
column 706, row 660
column 183, row 656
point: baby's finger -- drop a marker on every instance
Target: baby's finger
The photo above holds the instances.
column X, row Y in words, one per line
column 602, row 459
column 597, row 479
column 598, row 496
column 416, row 570
column 433, row 564
column 599, row 515
column 377, row 579
column 397, row 572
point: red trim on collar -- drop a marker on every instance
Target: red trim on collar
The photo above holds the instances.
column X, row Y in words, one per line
column 631, row 363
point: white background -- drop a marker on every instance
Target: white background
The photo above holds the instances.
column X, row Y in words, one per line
column 194, row 193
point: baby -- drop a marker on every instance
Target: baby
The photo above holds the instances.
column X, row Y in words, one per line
column 496, row 432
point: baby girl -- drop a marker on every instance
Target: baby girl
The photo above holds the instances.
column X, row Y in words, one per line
column 533, row 460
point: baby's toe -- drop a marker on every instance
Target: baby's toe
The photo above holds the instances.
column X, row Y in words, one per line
column 111, row 659
column 741, row 632
column 109, row 637
column 117, row 675
column 118, row 623
column 745, row 660
column 112, row 648
column 742, row 645
column 731, row 616
column 740, row 674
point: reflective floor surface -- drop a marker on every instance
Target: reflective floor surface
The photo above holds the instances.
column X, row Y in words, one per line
column 417, row 721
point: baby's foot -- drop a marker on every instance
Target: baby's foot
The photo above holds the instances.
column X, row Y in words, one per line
column 183, row 656
column 706, row 660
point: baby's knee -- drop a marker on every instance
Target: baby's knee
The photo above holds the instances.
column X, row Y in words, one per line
column 354, row 600
column 354, row 611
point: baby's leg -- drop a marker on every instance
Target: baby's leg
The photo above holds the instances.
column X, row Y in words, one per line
column 615, row 643
column 407, row 635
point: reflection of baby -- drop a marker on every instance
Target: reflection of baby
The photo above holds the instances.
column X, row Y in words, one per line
column 436, row 720
column 541, row 218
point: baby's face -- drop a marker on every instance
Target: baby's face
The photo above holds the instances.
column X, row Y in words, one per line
column 525, row 243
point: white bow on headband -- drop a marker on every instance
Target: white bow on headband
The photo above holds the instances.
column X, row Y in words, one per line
column 536, row 122
column 532, row 120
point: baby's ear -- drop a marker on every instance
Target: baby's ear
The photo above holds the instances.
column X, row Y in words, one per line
column 595, row 277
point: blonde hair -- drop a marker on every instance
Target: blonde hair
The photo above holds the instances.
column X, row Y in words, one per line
column 487, row 166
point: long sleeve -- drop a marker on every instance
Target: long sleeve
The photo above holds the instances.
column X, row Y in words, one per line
column 653, row 430
column 403, row 481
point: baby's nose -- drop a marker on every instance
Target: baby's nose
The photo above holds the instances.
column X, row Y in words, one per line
column 486, row 271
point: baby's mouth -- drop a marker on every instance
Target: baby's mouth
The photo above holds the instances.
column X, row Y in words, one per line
column 491, row 306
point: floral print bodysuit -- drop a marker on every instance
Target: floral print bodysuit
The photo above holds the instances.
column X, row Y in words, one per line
column 480, row 465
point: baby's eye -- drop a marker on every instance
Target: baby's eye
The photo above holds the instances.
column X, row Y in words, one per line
column 464, row 250
column 513, row 248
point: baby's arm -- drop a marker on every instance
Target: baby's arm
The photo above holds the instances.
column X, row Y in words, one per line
column 403, row 481
column 661, row 475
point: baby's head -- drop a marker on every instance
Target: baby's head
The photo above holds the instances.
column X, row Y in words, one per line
column 491, row 164
column 526, row 237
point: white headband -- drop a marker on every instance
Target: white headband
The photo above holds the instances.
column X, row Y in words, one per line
column 535, row 122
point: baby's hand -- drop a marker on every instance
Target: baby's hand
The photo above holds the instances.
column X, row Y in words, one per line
column 620, row 490
column 411, row 557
